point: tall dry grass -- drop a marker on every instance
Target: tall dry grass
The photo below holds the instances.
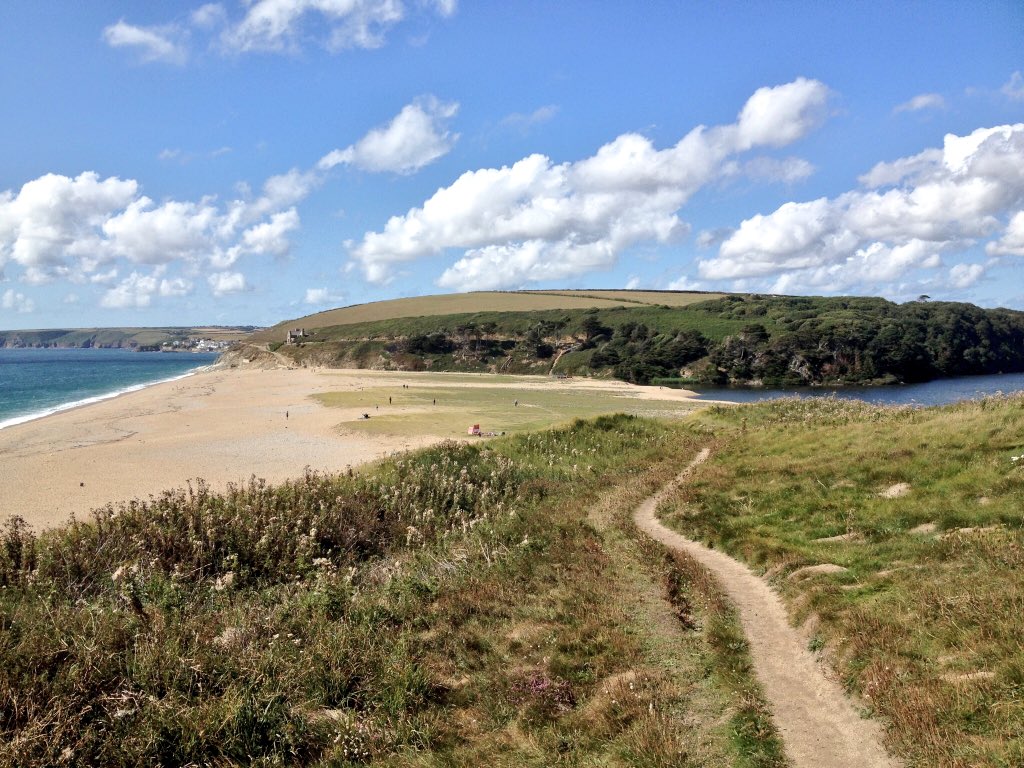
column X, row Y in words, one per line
column 333, row 620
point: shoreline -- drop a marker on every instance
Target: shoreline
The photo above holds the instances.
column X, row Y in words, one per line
column 224, row 425
column 25, row 418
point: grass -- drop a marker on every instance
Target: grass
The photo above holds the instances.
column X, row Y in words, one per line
column 926, row 620
column 446, row 406
column 449, row 607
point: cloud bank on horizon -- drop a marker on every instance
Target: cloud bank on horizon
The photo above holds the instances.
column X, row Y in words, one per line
column 751, row 203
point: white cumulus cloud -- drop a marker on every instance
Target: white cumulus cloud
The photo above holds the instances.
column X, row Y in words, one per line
column 416, row 137
column 134, row 292
column 322, row 296
column 1013, row 89
column 523, row 122
column 283, row 25
column 538, row 220
column 920, row 102
column 1012, row 240
column 278, row 26
column 965, row 275
column 177, row 286
column 17, row 302
column 225, row 283
column 271, row 236
column 81, row 228
column 54, row 217
column 209, row 15
column 89, row 229
column 907, row 213
column 151, row 43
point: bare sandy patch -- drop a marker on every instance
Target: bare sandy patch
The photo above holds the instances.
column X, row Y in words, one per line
column 842, row 538
column 807, row 571
column 968, row 677
column 895, row 491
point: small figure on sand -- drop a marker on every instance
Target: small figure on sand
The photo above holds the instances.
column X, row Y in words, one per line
column 435, row 401
column 286, row 415
column 516, row 403
column 389, row 399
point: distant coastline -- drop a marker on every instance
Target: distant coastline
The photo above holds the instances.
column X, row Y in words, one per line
column 35, row 387
column 15, row 420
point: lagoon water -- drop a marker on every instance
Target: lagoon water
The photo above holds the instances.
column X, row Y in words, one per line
column 37, row 382
column 939, row 392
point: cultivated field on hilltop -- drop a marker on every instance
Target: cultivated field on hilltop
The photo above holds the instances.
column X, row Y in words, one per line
column 477, row 301
column 662, row 298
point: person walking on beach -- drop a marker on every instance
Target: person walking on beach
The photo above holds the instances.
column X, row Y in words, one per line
column 286, row 415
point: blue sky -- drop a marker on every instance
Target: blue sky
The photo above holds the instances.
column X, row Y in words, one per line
column 245, row 162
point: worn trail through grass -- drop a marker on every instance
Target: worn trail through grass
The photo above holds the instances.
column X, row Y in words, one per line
column 817, row 721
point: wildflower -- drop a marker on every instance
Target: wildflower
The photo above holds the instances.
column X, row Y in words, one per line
column 225, row 581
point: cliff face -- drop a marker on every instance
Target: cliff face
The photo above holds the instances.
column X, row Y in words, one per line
column 15, row 341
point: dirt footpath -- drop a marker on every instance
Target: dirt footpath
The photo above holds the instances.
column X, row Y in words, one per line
column 819, row 725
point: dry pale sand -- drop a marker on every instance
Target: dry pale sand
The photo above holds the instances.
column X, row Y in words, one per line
column 818, row 723
column 223, row 425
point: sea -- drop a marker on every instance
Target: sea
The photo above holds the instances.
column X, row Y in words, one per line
column 37, row 382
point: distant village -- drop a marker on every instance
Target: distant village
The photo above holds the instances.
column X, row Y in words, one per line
column 195, row 345
column 197, row 339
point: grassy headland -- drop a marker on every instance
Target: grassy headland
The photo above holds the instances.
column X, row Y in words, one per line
column 457, row 606
column 897, row 534
column 665, row 338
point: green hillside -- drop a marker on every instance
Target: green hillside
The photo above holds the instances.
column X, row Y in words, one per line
column 667, row 338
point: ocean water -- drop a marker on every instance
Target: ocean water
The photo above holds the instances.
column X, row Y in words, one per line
column 938, row 392
column 38, row 382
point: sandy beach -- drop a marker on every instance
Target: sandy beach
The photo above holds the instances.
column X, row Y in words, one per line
column 223, row 425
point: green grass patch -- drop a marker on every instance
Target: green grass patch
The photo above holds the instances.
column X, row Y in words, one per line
column 922, row 507
column 431, row 408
